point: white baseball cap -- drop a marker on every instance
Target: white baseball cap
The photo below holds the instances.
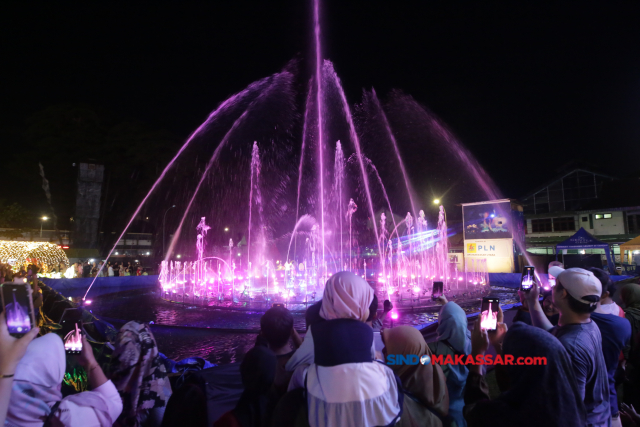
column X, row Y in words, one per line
column 578, row 282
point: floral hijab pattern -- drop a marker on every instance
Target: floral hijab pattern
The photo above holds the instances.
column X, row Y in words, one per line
column 138, row 373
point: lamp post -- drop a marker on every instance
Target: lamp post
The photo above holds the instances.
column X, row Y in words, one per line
column 42, row 220
column 163, row 222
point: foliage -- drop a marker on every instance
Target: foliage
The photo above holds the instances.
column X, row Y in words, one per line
column 13, row 215
column 62, row 136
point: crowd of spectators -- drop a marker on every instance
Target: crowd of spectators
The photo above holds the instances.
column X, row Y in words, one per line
column 338, row 374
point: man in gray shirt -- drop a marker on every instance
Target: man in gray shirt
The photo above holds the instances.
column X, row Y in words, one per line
column 576, row 296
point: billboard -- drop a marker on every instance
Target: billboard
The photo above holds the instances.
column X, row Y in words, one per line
column 497, row 252
column 487, row 221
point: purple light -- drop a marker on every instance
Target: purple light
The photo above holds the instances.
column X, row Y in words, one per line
column 394, row 315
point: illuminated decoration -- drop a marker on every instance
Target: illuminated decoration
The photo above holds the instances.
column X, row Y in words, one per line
column 20, row 254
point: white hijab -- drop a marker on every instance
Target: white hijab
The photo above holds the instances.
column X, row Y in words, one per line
column 346, row 296
column 36, row 388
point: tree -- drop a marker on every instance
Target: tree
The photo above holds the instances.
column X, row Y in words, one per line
column 14, row 217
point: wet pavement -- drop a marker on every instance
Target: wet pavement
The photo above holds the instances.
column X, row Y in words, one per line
column 223, row 335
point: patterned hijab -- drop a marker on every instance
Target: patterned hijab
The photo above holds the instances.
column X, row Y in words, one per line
column 138, row 373
column 346, row 296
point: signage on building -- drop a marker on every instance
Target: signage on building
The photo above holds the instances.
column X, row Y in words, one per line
column 497, row 252
column 492, row 231
column 488, row 221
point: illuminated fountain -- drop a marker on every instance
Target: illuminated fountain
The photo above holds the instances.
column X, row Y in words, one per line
column 290, row 179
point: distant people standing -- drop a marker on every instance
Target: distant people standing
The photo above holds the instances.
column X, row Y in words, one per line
column 101, row 271
column 615, row 332
column 111, row 272
column 630, row 296
column 78, row 269
column 86, row 270
column 94, row 270
column 116, row 269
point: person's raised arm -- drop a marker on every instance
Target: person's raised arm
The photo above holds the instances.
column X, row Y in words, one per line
column 87, row 360
column 11, row 351
column 476, row 389
column 538, row 318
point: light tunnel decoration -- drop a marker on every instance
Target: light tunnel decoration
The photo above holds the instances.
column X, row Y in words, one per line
column 21, row 254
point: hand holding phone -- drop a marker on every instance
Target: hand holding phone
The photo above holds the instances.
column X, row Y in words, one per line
column 86, row 359
column 11, row 348
column 442, row 300
column 479, row 338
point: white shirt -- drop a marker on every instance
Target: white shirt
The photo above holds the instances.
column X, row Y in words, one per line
column 73, row 415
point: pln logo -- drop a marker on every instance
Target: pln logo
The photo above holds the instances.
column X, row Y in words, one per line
column 473, row 248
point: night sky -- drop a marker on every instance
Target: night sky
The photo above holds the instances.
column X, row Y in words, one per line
column 527, row 86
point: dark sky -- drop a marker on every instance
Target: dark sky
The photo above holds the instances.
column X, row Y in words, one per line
column 527, row 86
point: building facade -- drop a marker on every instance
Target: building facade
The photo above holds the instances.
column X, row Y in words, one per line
column 580, row 199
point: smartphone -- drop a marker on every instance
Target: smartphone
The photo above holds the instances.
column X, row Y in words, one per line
column 71, row 329
column 18, row 308
column 437, row 291
column 527, row 278
column 73, row 340
column 489, row 313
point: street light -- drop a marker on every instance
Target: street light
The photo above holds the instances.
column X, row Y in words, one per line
column 163, row 222
column 436, row 201
column 226, row 229
column 43, row 219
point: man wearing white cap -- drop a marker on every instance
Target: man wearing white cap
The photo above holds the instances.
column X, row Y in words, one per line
column 576, row 296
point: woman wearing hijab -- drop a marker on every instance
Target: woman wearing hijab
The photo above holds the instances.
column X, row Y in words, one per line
column 344, row 386
column 346, row 296
column 426, row 400
column 630, row 297
column 453, row 338
column 258, row 370
column 36, row 396
column 539, row 395
column 342, row 348
column 140, row 377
